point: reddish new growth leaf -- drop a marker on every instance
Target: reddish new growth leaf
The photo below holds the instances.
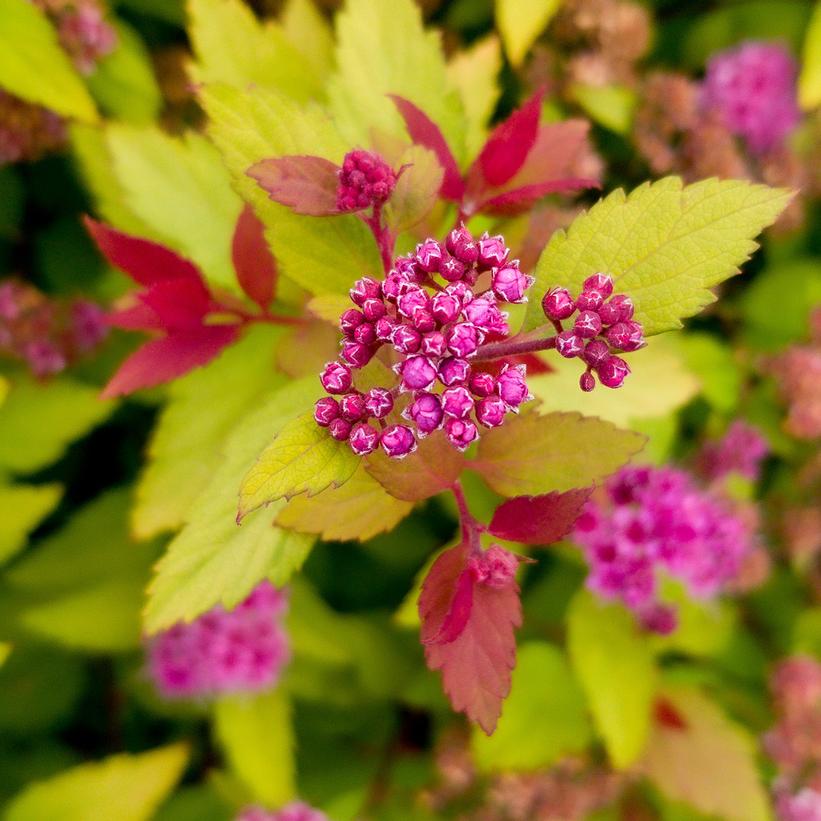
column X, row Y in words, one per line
column 668, row 716
column 539, row 519
column 307, row 185
column 255, row 265
column 470, row 608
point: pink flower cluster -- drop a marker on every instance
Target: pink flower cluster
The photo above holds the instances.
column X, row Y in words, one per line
column 434, row 330
column 27, row 131
column 652, row 521
column 46, row 334
column 241, row 650
column 603, row 324
column 295, row 811
column 365, row 179
column 753, row 88
column 741, row 450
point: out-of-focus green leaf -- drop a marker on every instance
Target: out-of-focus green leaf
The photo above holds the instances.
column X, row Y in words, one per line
column 611, row 106
column 809, row 81
column 38, row 421
column 310, row 32
column 474, row 72
column 186, row 446
column 12, row 203
column 256, row 735
column 123, row 82
column 715, row 367
column 614, row 664
column 199, row 802
column 232, row 46
column 806, row 632
column 520, row 23
column 21, row 509
column 795, row 287
column 34, row 66
column 181, row 190
column 709, row 763
column 659, row 384
column 119, row 788
column 213, row 560
column 543, row 718
column 408, row 62
column 665, row 244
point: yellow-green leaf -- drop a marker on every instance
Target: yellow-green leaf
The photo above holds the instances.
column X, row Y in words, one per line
column 359, row 509
column 417, row 189
column 709, row 763
column 303, row 458
column 809, row 81
column 34, row 66
column 520, row 22
column 233, row 47
column 119, row 788
column 611, row 106
column 534, row 454
column 310, row 32
column 665, row 245
column 614, row 665
column 408, row 62
column 256, row 735
column 21, row 509
column 213, row 560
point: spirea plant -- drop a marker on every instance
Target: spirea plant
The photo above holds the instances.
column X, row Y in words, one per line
column 443, row 441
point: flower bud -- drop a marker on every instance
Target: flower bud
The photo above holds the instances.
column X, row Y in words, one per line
column 352, row 406
column 460, row 244
column 512, row 386
column 378, row 402
column 482, row 383
column 603, row 283
column 495, row 567
column 461, row 291
column 423, row 321
column 492, row 252
column 461, row 432
column 365, row 179
column 595, row 352
column 587, row 382
column 429, row 256
column 612, row 372
column 365, row 334
column 589, row 301
column 457, row 402
column 356, row 354
column 425, row 412
column 463, row 339
column 587, row 325
column 433, row 344
column 625, row 305
column 340, row 429
column 445, row 307
column 406, row 339
column 453, row 371
column 365, row 288
column 418, row 373
column 393, row 285
column 349, row 321
column 491, row 411
column 569, row 344
column 557, row 304
column 326, row 410
column 398, row 441
column 451, row 269
column 510, row 283
column 385, row 328
column 412, row 300
column 363, row 439
column 485, row 315
column 409, row 269
column 373, row 309
column 609, row 313
column 336, row 377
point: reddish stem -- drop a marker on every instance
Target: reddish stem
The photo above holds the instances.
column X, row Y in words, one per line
column 513, row 347
column 384, row 239
column 471, row 528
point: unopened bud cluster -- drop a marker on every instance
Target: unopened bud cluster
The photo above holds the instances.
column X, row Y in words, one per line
column 223, row 651
column 365, row 179
column 494, row 567
column 46, row 334
column 431, row 313
column 603, row 326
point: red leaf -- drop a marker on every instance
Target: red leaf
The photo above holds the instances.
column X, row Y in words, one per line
column 144, row 261
column 137, row 317
column 468, row 633
column 169, row 357
column 424, row 131
column 178, row 303
column 507, row 147
column 307, row 185
column 253, row 261
column 539, row 519
column 521, row 199
column 535, row 366
column 561, row 150
column 668, row 716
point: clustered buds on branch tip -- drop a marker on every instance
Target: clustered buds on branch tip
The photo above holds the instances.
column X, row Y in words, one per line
column 604, row 323
column 365, row 179
column 436, row 329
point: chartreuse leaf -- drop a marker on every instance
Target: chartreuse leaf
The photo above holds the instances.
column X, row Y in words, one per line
column 185, row 448
column 21, row 509
column 303, row 458
column 310, row 32
column 58, row 590
column 706, row 761
column 119, row 788
column 809, row 81
column 123, row 82
column 34, row 66
column 659, row 384
column 544, row 717
column 408, row 62
column 416, row 190
column 214, row 561
column 359, row 509
column 5, row 652
column 520, row 23
column 534, row 454
column 37, row 422
column 614, row 665
column 181, row 190
column 232, row 46
column 256, row 735
column 666, row 245
column 473, row 72
column 322, row 254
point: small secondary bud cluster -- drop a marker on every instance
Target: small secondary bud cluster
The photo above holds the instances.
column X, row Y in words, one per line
column 603, row 326
column 494, row 567
column 223, row 651
column 741, row 450
column 46, row 334
column 295, row 811
column 365, row 179
column 432, row 330
column 655, row 521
